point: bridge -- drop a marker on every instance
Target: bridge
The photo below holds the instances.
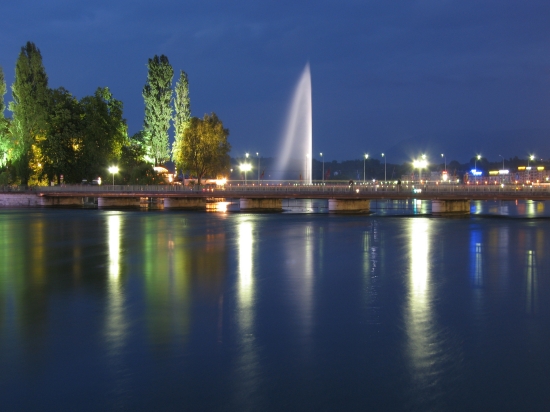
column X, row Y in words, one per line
column 341, row 197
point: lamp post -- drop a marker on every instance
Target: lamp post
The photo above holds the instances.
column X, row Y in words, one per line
column 364, row 163
column 502, row 161
column 384, row 156
column 113, row 170
column 306, row 180
column 247, row 169
column 419, row 164
column 478, row 157
column 322, row 158
column 445, row 157
column 258, row 156
column 532, row 157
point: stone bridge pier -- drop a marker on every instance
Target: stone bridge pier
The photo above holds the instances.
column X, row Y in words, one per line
column 261, row 205
column 451, row 207
column 349, row 206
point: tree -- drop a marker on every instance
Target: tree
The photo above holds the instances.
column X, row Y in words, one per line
column 157, row 94
column 104, row 133
column 134, row 168
column 4, row 123
column 29, row 106
column 62, row 148
column 182, row 109
column 205, row 149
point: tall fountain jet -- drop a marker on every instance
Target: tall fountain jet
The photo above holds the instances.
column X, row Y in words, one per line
column 295, row 158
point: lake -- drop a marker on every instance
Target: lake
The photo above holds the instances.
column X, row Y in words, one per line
column 168, row 310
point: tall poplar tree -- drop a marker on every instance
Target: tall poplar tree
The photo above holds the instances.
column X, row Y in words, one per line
column 29, row 106
column 157, row 94
column 182, row 113
column 4, row 135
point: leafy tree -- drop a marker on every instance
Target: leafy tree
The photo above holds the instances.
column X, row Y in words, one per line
column 104, row 133
column 133, row 167
column 182, row 109
column 29, row 107
column 205, row 149
column 157, row 94
column 4, row 123
column 61, row 150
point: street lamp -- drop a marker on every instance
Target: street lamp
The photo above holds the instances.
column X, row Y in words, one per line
column 306, row 180
column 445, row 157
column 323, row 177
column 245, row 167
column 364, row 162
column 384, row 167
column 420, row 164
column 478, row 157
column 113, row 170
column 532, row 157
column 502, row 161
column 258, row 156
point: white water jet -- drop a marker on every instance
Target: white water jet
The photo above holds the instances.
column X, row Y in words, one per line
column 295, row 158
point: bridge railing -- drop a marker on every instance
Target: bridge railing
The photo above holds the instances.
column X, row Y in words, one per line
column 292, row 187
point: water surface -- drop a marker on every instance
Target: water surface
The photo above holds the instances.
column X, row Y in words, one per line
column 103, row 310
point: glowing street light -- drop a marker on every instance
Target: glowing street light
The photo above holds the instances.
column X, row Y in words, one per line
column 384, row 156
column 445, row 157
column 364, row 162
column 532, row 157
column 420, row 164
column 258, row 156
column 306, row 179
column 113, row 170
column 323, row 177
column 245, row 167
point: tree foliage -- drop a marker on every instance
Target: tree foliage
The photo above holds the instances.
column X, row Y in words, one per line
column 29, row 107
column 182, row 112
column 157, row 94
column 4, row 123
column 104, row 132
column 205, row 149
column 61, row 149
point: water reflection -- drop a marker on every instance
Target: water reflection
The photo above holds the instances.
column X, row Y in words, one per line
column 531, row 280
column 422, row 346
column 299, row 267
column 476, row 258
column 116, row 324
column 246, row 280
column 247, row 361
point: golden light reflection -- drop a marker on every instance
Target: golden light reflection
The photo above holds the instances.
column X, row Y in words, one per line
column 246, row 281
column 116, row 324
column 247, row 362
column 114, row 245
column 422, row 347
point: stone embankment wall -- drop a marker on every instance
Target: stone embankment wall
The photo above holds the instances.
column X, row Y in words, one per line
column 19, row 200
column 33, row 200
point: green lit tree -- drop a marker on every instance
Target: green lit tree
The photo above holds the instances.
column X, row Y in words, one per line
column 4, row 123
column 182, row 112
column 29, row 106
column 205, row 149
column 157, row 95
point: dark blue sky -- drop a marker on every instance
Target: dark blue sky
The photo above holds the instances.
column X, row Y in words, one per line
column 401, row 77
